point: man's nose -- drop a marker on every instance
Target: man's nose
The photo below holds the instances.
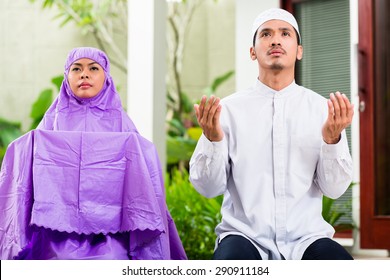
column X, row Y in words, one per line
column 275, row 41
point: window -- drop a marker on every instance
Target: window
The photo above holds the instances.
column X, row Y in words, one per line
column 325, row 67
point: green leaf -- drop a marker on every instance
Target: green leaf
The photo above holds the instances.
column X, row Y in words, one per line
column 179, row 148
column 188, row 104
column 48, row 3
column 195, row 225
column 335, row 217
column 86, row 21
column 2, row 153
column 57, row 81
column 65, row 21
column 217, row 82
column 326, row 208
column 176, row 127
column 9, row 131
column 8, row 135
column 344, row 227
column 41, row 105
column 194, row 133
column 221, row 79
column 4, row 124
column 332, row 213
column 170, row 98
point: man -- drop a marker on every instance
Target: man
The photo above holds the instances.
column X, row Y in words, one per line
column 273, row 151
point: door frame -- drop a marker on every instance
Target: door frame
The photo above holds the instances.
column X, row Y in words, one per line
column 374, row 229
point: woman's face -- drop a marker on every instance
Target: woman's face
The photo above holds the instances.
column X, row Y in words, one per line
column 86, row 78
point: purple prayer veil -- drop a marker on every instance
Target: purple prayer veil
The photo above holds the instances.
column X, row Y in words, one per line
column 85, row 184
column 102, row 112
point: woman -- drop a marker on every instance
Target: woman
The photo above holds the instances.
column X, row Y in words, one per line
column 85, row 184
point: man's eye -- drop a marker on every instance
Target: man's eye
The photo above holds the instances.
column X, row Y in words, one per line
column 286, row 34
column 265, row 34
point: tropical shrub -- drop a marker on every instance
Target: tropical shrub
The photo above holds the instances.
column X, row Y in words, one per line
column 183, row 129
column 10, row 130
column 332, row 213
column 195, row 216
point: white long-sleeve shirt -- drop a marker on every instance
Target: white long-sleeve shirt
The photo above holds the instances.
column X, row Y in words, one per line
column 273, row 168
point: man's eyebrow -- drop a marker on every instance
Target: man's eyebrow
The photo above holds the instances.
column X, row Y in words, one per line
column 265, row 30
column 270, row 29
column 285, row 29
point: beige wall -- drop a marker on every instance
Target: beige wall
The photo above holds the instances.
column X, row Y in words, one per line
column 33, row 49
column 210, row 47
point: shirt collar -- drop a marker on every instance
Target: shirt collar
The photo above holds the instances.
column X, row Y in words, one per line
column 272, row 93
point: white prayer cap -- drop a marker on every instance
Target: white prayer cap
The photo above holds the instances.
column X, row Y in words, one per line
column 275, row 13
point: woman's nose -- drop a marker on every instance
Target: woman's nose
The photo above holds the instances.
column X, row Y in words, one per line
column 84, row 74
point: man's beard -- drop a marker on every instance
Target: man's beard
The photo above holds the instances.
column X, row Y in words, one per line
column 277, row 66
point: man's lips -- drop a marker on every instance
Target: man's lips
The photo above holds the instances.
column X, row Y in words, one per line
column 276, row 52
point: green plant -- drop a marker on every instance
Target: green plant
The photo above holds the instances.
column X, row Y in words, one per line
column 183, row 129
column 10, row 130
column 104, row 20
column 179, row 17
column 195, row 216
column 332, row 213
column 43, row 102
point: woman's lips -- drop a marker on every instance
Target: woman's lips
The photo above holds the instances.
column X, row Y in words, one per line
column 85, row 86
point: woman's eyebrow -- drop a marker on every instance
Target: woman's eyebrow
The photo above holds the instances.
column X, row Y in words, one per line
column 79, row 64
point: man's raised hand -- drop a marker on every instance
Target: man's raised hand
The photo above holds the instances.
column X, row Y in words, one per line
column 207, row 113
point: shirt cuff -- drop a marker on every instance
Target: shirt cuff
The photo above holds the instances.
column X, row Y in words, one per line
column 211, row 148
column 334, row 151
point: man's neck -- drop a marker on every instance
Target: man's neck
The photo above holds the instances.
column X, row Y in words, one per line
column 276, row 80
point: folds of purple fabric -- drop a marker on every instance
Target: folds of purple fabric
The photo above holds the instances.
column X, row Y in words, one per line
column 86, row 183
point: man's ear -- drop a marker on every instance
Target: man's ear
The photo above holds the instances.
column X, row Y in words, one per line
column 252, row 53
column 299, row 52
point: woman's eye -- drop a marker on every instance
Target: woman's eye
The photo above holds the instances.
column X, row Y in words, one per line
column 75, row 69
column 94, row 68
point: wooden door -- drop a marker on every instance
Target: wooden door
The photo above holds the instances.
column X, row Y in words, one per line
column 374, row 110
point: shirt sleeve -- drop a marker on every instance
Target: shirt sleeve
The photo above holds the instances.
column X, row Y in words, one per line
column 209, row 167
column 334, row 169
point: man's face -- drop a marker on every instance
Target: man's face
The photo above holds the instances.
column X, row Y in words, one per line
column 86, row 78
column 276, row 46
